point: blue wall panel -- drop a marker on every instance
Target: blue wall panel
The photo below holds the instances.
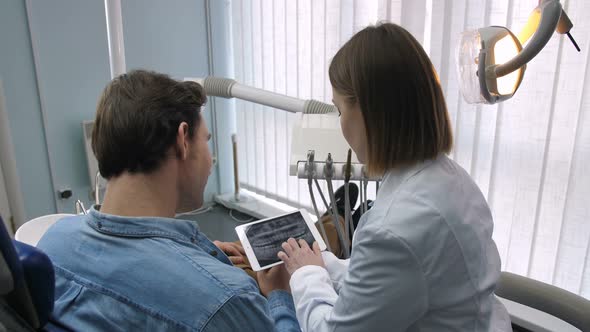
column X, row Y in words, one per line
column 171, row 37
column 70, row 37
column 17, row 73
column 70, row 42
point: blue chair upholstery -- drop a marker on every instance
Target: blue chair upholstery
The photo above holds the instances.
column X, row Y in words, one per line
column 11, row 268
column 31, row 282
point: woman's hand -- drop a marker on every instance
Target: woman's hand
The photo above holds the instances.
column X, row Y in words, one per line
column 274, row 278
column 297, row 255
column 234, row 251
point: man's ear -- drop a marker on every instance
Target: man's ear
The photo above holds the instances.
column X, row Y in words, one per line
column 182, row 141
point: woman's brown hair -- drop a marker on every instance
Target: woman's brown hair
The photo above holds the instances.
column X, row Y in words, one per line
column 389, row 74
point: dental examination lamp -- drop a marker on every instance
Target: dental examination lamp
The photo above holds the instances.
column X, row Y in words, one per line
column 491, row 61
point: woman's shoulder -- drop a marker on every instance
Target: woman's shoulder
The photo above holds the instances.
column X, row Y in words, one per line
column 409, row 218
column 441, row 190
column 433, row 217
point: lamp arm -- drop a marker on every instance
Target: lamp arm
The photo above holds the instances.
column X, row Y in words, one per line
column 550, row 13
column 229, row 88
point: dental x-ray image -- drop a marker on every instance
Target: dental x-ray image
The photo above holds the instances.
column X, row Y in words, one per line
column 266, row 237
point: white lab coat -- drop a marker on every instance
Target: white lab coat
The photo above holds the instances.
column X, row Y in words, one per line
column 423, row 259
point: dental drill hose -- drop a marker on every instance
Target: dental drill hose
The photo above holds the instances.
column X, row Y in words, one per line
column 317, row 184
column 364, row 184
column 310, row 172
column 361, row 205
column 317, row 213
column 366, row 201
column 329, row 172
column 347, row 214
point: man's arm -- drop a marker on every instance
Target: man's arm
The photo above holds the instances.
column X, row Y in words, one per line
column 282, row 310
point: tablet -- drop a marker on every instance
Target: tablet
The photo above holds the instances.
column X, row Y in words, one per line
column 262, row 239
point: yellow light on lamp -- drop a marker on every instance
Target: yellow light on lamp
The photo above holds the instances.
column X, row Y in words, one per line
column 504, row 50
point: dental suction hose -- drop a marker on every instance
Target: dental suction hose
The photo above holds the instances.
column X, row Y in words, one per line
column 229, row 88
column 329, row 172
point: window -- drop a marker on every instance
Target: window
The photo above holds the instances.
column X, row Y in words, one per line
column 527, row 155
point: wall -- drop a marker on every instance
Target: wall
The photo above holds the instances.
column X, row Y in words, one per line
column 68, row 42
column 17, row 73
column 221, row 53
column 5, row 212
column 186, row 38
column 70, row 46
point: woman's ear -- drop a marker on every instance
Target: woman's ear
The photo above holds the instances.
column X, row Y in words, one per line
column 182, row 141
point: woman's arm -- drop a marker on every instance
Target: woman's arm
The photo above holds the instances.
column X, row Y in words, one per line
column 337, row 269
column 384, row 288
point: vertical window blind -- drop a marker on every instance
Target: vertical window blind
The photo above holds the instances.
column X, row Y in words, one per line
column 528, row 155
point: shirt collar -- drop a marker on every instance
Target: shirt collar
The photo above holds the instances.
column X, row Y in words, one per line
column 142, row 226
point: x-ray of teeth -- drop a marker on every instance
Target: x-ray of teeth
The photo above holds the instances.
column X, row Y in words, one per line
column 266, row 237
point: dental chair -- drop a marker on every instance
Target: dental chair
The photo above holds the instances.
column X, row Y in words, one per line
column 32, row 231
column 27, row 285
column 536, row 306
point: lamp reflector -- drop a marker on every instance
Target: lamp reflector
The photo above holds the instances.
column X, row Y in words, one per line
column 467, row 60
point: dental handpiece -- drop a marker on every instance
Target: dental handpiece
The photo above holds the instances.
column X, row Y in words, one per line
column 329, row 172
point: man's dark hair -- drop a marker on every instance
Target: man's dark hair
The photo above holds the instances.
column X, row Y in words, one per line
column 137, row 120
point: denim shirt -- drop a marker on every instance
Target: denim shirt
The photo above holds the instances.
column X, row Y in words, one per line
column 153, row 274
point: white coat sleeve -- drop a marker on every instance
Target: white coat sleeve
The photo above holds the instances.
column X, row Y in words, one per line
column 384, row 289
column 337, row 269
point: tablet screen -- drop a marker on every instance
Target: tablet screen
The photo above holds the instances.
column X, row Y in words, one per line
column 266, row 237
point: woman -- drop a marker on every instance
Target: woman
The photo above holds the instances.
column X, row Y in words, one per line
column 423, row 257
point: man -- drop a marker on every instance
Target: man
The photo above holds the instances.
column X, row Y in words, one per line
column 131, row 266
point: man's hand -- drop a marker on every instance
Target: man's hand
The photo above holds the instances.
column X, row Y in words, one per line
column 272, row 279
column 297, row 255
column 234, row 251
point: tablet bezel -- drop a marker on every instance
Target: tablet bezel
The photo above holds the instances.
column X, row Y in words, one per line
column 241, row 231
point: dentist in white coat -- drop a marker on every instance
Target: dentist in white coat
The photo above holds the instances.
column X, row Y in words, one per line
column 423, row 258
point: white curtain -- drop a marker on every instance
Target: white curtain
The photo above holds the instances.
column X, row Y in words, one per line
column 528, row 155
